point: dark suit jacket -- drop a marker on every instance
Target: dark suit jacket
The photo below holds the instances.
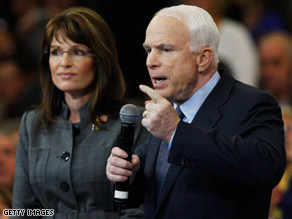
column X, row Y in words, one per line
column 225, row 163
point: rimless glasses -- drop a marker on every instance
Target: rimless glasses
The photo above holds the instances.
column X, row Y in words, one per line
column 74, row 53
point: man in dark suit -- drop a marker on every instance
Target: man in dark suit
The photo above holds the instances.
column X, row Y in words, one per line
column 223, row 152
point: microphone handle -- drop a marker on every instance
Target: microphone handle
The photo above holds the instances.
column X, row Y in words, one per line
column 126, row 142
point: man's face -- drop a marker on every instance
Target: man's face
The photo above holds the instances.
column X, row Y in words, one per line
column 7, row 161
column 11, row 82
column 275, row 64
column 288, row 137
column 172, row 66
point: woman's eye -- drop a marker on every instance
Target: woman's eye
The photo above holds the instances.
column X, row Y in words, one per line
column 56, row 52
column 79, row 52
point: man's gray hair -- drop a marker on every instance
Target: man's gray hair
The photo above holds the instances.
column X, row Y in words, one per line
column 203, row 30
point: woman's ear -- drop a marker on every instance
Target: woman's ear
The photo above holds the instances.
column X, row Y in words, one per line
column 204, row 58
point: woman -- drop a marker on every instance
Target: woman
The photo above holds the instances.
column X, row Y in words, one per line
column 64, row 143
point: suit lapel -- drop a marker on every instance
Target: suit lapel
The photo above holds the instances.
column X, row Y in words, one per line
column 207, row 117
column 171, row 176
column 149, row 172
column 209, row 113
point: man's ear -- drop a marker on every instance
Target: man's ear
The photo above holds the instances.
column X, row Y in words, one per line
column 204, row 58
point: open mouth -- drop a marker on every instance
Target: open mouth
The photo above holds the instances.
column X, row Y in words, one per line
column 158, row 80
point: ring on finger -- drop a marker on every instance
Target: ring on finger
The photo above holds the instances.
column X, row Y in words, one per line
column 145, row 114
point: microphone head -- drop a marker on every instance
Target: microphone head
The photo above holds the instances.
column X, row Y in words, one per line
column 129, row 113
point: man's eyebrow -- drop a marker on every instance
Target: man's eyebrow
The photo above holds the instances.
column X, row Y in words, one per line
column 162, row 45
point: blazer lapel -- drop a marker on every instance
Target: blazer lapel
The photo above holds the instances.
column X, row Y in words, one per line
column 171, row 176
column 207, row 117
column 209, row 113
column 149, row 171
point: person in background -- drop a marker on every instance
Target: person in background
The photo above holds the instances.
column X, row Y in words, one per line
column 8, row 145
column 64, row 142
column 221, row 154
column 7, row 161
column 236, row 42
column 5, row 201
column 275, row 49
column 281, row 202
column 30, row 18
column 18, row 92
column 8, row 46
column 263, row 16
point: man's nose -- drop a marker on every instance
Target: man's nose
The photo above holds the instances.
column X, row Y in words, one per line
column 152, row 59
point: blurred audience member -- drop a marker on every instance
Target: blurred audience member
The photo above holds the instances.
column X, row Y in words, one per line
column 31, row 18
column 7, row 160
column 263, row 16
column 236, row 43
column 7, row 43
column 281, row 202
column 275, row 51
column 8, row 145
column 5, row 201
column 287, row 9
column 54, row 7
column 29, row 21
column 17, row 93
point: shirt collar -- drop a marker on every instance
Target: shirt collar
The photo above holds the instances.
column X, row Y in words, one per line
column 191, row 106
column 83, row 111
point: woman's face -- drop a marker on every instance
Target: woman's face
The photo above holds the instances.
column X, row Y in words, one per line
column 71, row 65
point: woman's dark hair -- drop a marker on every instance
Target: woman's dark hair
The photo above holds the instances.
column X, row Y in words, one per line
column 84, row 26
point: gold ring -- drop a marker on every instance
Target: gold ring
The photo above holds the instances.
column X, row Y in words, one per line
column 145, row 114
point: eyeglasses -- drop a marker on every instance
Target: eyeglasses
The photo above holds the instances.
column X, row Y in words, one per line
column 74, row 53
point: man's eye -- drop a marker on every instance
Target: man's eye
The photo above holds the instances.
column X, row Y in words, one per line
column 56, row 52
column 147, row 49
column 166, row 50
column 8, row 152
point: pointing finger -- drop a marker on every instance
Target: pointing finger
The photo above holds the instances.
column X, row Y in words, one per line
column 151, row 93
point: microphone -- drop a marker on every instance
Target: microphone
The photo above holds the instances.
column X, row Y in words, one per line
column 128, row 114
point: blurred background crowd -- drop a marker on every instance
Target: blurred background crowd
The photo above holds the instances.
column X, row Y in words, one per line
column 255, row 45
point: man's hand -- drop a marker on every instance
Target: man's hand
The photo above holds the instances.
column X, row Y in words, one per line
column 118, row 169
column 159, row 117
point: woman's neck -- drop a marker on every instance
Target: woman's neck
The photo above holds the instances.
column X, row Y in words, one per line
column 74, row 103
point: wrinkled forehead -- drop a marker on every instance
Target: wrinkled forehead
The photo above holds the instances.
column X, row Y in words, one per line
column 166, row 23
column 166, row 28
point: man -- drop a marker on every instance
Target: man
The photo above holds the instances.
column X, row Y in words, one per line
column 275, row 50
column 226, row 153
column 7, row 161
column 281, row 201
column 236, row 42
column 8, row 145
column 17, row 91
